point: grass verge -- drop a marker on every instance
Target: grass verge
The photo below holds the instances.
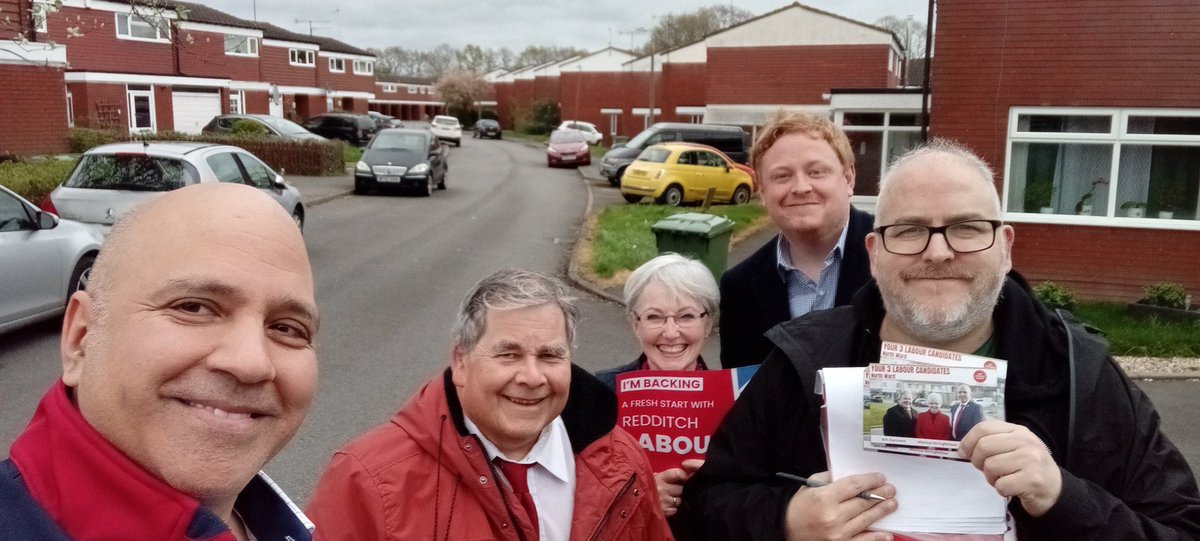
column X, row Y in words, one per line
column 351, row 154
column 1130, row 336
column 35, row 179
column 622, row 239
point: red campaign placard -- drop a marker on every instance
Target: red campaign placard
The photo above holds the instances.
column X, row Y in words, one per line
column 673, row 414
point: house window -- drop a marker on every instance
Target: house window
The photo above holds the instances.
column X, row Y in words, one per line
column 70, row 110
column 1111, row 163
column 412, row 90
column 364, row 67
column 134, row 26
column 337, row 65
column 389, row 88
column 141, row 109
column 877, row 139
column 237, row 102
column 241, row 45
column 302, row 57
column 40, row 10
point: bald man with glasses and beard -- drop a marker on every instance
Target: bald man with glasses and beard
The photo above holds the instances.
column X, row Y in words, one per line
column 1081, row 455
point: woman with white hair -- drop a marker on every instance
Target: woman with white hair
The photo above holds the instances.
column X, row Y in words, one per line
column 933, row 424
column 672, row 302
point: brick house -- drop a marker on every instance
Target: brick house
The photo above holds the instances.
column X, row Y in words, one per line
column 406, row 98
column 33, row 95
column 1090, row 114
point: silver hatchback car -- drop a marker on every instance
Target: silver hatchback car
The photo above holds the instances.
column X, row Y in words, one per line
column 43, row 260
column 109, row 180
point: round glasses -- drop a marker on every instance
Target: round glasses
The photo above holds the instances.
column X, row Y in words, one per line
column 963, row 237
column 657, row 321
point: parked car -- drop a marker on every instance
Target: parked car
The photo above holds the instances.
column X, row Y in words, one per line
column 568, row 147
column 589, row 130
column 448, row 129
column 278, row 127
column 46, row 259
column 675, row 173
column 384, row 121
column 749, row 170
column 487, row 128
column 352, row 128
column 109, row 180
column 402, row 158
column 731, row 140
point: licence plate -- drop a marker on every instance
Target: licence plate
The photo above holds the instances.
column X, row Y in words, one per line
column 568, row 156
column 388, row 178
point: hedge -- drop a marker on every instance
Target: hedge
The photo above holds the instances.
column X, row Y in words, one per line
column 284, row 155
column 34, row 180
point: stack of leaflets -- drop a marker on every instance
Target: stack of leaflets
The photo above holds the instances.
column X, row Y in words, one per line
column 904, row 417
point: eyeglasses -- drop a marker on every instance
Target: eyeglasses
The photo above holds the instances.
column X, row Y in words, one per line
column 657, row 321
column 965, row 237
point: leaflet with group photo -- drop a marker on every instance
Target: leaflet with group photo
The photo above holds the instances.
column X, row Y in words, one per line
column 922, row 401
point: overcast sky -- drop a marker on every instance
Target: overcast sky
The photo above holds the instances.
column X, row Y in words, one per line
column 424, row 24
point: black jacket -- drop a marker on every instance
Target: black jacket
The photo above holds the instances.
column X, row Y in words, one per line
column 754, row 298
column 1122, row 477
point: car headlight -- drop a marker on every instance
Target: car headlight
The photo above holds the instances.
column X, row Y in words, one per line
column 419, row 169
column 362, row 166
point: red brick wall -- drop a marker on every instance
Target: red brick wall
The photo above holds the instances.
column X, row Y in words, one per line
column 164, row 111
column 33, row 98
column 1104, row 53
column 257, row 103
column 344, row 81
column 546, row 88
column 101, row 106
column 504, row 104
column 98, row 48
column 615, row 89
column 18, row 24
column 681, row 84
column 275, row 68
column 204, row 56
column 737, row 75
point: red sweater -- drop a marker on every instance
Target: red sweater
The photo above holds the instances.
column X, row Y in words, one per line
column 933, row 426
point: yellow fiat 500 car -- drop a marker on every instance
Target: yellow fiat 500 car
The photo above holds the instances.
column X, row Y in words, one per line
column 675, row 173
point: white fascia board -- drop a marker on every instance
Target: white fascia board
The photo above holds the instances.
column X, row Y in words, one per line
column 346, row 56
column 611, row 111
column 351, row 94
column 290, row 44
column 218, row 29
column 116, row 7
column 690, row 110
column 137, row 79
column 688, row 54
column 889, row 102
column 250, row 85
column 408, row 102
column 487, row 103
column 306, row 90
column 33, row 53
column 798, row 25
column 756, row 114
column 641, row 111
column 609, row 59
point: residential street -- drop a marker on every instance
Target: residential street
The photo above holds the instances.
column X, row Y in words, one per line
column 390, row 271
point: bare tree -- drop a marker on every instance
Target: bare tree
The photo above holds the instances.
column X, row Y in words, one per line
column 675, row 30
column 460, row 90
column 910, row 32
column 535, row 55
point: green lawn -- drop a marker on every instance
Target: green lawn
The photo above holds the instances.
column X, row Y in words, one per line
column 623, row 239
column 351, row 154
column 1142, row 338
column 874, row 417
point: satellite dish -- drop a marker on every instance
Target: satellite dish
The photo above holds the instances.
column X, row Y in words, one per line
column 276, row 96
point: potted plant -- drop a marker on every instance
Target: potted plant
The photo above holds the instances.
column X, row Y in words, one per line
column 1055, row 296
column 1039, row 195
column 1166, row 301
column 1134, row 209
column 1085, row 205
column 1170, row 199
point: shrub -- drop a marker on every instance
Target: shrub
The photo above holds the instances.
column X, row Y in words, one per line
column 85, row 139
column 1055, row 296
column 34, row 180
column 248, row 128
column 540, row 118
column 1167, row 295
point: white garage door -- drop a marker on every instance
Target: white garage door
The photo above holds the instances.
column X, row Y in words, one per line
column 193, row 110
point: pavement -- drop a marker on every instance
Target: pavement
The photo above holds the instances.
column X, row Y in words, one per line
column 318, row 190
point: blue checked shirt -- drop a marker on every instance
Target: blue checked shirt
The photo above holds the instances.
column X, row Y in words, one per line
column 805, row 295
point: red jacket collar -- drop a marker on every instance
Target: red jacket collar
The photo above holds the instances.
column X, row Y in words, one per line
column 93, row 491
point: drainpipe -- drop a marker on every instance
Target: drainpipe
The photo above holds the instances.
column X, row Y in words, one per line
column 925, row 85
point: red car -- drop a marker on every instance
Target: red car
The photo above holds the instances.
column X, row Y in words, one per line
column 568, row 147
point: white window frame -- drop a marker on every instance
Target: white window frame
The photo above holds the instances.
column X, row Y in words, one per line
column 237, row 102
column 389, row 88
column 70, row 109
column 341, row 62
column 133, row 19
column 305, row 58
column 1117, row 136
column 887, row 129
column 364, row 67
column 413, row 89
column 130, row 95
column 40, row 11
column 252, row 46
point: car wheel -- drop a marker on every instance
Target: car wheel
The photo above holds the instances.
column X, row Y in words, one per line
column 81, row 275
column 741, row 195
column 630, row 198
column 298, row 217
column 672, row 196
column 427, row 190
column 615, row 180
column 359, row 188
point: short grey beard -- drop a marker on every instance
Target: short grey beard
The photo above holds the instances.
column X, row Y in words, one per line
column 921, row 323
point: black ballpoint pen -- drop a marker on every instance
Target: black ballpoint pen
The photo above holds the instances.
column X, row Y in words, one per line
column 810, row 483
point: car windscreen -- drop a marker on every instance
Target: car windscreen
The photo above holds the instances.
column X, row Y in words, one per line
column 400, row 141
column 640, row 139
column 654, row 154
column 136, row 172
column 284, row 126
column 445, row 121
column 567, row 136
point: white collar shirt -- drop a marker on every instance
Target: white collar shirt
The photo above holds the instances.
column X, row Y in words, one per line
column 551, row 480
